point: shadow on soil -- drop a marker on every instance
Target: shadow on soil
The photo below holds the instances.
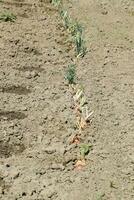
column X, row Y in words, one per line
column 3, row 185
column 16, row 3
column 6, row 149
column 20, row 90
column 22, row 3
column 25, row 69
column 11, row 115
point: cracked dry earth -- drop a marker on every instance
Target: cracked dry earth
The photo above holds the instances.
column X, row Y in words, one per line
column 36, row 116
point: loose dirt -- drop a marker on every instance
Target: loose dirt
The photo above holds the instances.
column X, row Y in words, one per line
column 37, row 121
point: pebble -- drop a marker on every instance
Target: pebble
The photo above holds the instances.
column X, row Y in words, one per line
column 104, row 12
column 57, row 167
column 23, row 108
column 49, row 150
column 16, row 175
column 30, row 75
column 127, row 171
column 3, row 171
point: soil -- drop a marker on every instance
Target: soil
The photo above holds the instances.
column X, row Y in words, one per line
column 37, row 120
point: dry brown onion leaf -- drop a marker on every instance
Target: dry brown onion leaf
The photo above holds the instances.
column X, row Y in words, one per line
column 80, row 164
column 83, row 123
column 75, row 140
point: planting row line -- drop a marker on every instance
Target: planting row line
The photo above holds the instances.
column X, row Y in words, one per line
column 83, row 115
